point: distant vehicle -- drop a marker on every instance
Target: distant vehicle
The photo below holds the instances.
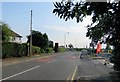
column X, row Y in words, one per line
column 87, row 52
column 83, row 52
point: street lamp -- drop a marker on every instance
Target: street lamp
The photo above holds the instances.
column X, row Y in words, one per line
column 75, row 42
column 65, row 39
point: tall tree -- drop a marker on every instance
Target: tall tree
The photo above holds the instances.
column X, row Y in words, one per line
column 70, row 46
column 50, row 43
column 45, row 41
column 105, row 15
column 38, row 39
column 6, row 33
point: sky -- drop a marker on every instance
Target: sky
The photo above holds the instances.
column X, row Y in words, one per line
column 17, row 16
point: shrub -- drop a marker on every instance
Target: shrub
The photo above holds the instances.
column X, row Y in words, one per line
column 42, row 51
column 36, row 50
column 10, row 49
column 23, row 50
column 7, row 49
column 49, row 50
column 61, row 49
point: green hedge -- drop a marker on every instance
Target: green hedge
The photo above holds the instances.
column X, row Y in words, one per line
column 61, row 49
column 36, row 50
column 14, row 50
column 49, row 50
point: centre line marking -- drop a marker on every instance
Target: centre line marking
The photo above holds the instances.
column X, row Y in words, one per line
column 20, row 73
column 51, row 61
column 73, row 76
column 67, row 80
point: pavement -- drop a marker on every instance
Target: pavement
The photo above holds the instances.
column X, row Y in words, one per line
column 15, row 60
column 93, row 69
column 104, row 60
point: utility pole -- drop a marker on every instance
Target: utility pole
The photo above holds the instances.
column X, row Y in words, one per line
column 31, row 34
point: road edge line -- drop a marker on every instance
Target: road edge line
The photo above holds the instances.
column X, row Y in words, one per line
column 19, row 73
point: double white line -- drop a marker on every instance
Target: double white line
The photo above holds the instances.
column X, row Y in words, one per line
column 71, row 78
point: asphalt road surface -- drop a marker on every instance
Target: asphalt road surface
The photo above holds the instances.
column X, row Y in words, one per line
column 61, row 66
column 55, row 67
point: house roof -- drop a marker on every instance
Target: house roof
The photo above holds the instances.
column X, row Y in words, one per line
column 14, row 34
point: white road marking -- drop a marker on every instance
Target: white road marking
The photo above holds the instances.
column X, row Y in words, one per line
column 52, row 61
column 73, row 76
column 19, row 73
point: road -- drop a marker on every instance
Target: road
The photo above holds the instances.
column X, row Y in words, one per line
column 61, row 66
column 54, row 67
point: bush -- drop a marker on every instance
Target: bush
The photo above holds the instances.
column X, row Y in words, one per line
column 61, row 49
column 10, row 49
column 7, row 49
column 49, row 50
column 36, row 50
column 20, row 50
column 42, row 51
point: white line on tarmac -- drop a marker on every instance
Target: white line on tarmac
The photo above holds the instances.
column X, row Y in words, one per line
column 19, row 73
column 52, row 61
column 73, row 76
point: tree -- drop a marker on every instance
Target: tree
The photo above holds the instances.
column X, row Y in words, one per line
column 39, row 39
column 108, row 46
column 51, row 44
column 6, row 33
column 105, row 15
column 70, row 46
column 45, row 41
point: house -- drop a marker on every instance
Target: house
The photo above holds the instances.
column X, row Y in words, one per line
column 8, row 33
column 15, row 37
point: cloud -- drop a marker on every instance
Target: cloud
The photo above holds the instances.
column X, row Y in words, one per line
column 77, row 35
column 71, row 27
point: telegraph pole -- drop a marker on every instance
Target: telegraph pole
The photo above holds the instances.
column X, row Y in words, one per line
column 31, row 34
